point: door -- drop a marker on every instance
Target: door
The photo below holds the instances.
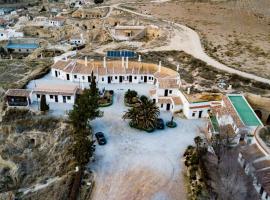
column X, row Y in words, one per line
column 89, row 79
column 64, row 99
column 168, row 106
column 200, row 114
column 56, row 74
column 120, row 79
column 130, row 79
column 68, row 77
column 56, row 98
column 166, row 93
column 145, row 79
column 109, row 79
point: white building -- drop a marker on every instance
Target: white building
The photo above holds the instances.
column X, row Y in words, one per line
column 77, row 40
column 6, row 34
column 40, row 21
column 57, row 21
column 166, row 82
column 55, row 93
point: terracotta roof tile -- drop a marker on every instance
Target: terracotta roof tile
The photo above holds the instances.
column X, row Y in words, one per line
column 18, row 93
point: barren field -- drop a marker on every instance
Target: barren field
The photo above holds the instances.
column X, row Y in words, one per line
column 235, row 32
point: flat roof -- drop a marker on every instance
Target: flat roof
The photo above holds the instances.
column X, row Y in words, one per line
column 244, row 110
column 201, row 97
column 22, row 46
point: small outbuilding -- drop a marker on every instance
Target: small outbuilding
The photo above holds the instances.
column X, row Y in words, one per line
column 18, row 98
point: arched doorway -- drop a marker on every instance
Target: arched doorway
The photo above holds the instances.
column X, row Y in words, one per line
column 258, row 113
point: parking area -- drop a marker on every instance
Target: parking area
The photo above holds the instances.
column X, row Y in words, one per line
column 136, row 164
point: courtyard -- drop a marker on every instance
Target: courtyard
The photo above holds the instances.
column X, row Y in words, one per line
column 135, row 164
column 139, row 165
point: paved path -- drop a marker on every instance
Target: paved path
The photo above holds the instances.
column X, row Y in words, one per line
column 193, row 45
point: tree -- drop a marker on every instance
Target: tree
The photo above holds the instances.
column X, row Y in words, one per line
column 144, row 115
column 83, row 148
column 85, row 108
column 43, row 105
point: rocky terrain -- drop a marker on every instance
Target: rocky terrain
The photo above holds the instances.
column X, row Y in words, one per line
column 234, row 32
column 35, row 156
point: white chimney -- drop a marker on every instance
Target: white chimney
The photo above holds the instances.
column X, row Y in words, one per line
column 126, row 62
column 139, row 59
column 85, row 61
column 177, row 67
column 188, row 91
column 123, row 62
column 159, row 66
column 104, row 62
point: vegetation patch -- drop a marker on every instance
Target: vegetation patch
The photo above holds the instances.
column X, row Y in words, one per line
column 106, row 99
column 144, row 115
column 131, row 98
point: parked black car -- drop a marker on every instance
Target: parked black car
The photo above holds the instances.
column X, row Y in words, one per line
column 101, row 138
column 160, row 124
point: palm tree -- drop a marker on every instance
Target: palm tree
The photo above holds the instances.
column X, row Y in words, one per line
column 144, row 115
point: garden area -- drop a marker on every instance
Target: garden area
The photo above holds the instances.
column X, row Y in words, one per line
column 131, row 98
column 106, row 98
column 144, row 113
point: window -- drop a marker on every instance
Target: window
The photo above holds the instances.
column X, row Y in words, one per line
column 68, row 97
column 170, row 91
column 161, row 105
column 75, row 76
column 82, row 77
column 38, row 95
column 27, row 50
column 135, row 77
column 141, row 78
column 102, row 79
column 115, row 77
column 149, row 78
column 51, row 96
column 193, row 114
column 2, row 34
column 19, row 50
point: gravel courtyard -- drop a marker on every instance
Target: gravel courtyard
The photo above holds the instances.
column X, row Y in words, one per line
column 139, row 165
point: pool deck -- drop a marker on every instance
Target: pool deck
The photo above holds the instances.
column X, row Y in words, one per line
column 244, row 111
